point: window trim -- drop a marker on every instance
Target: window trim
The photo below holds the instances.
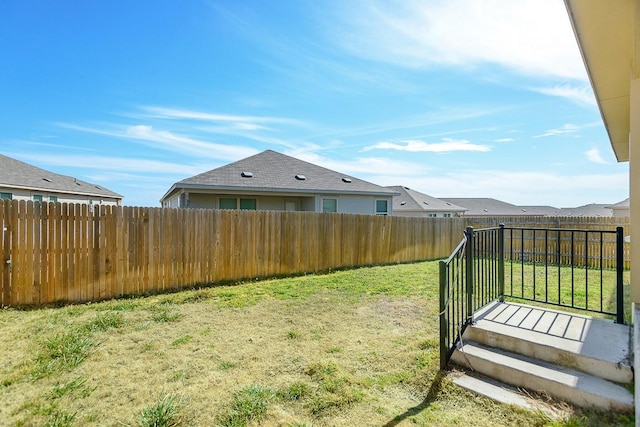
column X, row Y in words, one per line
column 386, row 211
column 6, row 195
column 334, row 199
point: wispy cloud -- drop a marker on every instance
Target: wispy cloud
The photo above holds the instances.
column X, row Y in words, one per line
column 504, row 140
column 491, row 183
column 166, row 140
column 594, row 156
column 120, row 164
column 447, row 145
column 463, row 33
column 581, row 94
column 241, row 120
column 565, row 129
column 362, row 165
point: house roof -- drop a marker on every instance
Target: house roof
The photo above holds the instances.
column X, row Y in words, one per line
column 542, row 210
column 270, row 171
column 17, row 174
column 625, row 204
column 590, row 210
column 414, row 201
column 487, row 206
column 607, row 41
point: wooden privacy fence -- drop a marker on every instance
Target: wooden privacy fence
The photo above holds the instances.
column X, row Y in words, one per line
column 583, row 243
column 57, row 252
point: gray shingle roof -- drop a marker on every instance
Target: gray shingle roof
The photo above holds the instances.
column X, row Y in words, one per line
column 487, row 206
column 17, row 174
column 590, row 210
column 272, row 171
column 415, row 201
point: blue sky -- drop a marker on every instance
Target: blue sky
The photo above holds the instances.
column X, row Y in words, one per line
column 453, row 98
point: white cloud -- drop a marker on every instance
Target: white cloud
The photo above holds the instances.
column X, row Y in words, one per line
column 530, row 36
column 565, row 129
column 520, row 188
column 361, row 165
column 241, row 120
column 504, row 140
column 594, row 156
column 447, row 145
column 103, row 163
column 582, row 94
column 170, row 141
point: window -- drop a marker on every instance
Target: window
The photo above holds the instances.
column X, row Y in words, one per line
column 447, row 215
column 53, row 199
column 6, row 196
column 37, row 197
column 382, row 207
column 432, row 215
column 228, row 203
column 248, row 204
column 329, row 205
column 233, row 203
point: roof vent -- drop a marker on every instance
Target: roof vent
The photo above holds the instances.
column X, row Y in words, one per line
column 486, row 210
column 425, row 203
column 98, row 187
column 448, row 204
column 403, row 203
column 347, row 180
column 301, row 177
column 407, row 188
column 247, row 174
column 46, row 179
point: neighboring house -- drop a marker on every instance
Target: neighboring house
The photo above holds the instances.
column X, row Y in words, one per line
column 621, row 209
column 488, row 207
column 541, row 210
column 590, row 210
column 274, row 181
column 414, row 203
column 21, row 181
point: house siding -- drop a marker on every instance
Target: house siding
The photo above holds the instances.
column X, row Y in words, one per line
column 355, row 204
column 20, row 194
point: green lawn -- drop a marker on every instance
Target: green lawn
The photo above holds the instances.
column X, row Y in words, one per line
column 349, row 348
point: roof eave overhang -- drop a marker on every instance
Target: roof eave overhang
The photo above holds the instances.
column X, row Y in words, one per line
column 57, row 191
column 264, row 190
column 605, row 34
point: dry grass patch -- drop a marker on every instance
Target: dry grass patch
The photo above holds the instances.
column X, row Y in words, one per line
column 355, row 347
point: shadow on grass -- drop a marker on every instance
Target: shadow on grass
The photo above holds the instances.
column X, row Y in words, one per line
column 434, row 389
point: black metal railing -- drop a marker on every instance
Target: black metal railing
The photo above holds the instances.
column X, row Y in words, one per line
column 577, row 269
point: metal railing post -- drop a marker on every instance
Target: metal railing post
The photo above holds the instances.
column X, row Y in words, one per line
column 469, row 279
column 444, row 318
column 619, row 275
column 501, row 262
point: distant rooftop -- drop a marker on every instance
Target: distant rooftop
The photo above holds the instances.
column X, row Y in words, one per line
column 414, row 201
column 17, row 174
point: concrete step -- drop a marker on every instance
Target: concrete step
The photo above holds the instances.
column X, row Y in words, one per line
column 562, row 383
column 596, row 346
column 504, row 393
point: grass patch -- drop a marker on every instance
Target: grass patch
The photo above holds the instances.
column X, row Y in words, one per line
column 352, row 347
column 164, row 413
column 250, row 404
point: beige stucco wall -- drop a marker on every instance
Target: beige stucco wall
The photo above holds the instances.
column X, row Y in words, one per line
column 634, row 188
